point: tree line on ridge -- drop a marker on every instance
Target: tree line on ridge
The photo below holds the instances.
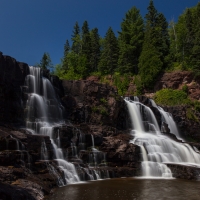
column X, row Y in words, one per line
column 144, row 48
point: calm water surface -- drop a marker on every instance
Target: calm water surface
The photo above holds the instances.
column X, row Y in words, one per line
column 130, row 189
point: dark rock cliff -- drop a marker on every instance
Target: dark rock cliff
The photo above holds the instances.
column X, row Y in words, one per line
column 12, row 77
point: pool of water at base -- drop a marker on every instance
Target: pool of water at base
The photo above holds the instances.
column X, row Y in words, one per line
column 129, row 189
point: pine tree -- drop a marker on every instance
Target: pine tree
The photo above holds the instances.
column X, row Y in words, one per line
column 66, row 48
column 195, row 53
column 155, row 47
column 190, row 35
column 95, row 49
column 110, row 53
column 173, row 49
column 76, row 66
column 86, row 40
column 130, row 41
column 65, row 60
column 76, row 39
column 150, row 65
column 86, row 45
column 151, row 24
column 163, row 43
column 45, row 62
column 185, row 40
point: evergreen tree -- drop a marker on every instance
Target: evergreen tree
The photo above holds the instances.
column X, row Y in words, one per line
column 76, row 66
column 66, row 48
column 190, row 36
column 150, row 65
column 95, row 49
column 195, row 53
column 151, row 24
column 130, row 41
column 181, row 38
column 66, row 51
column 155, row 47
column 45, row 62
column 185, row 37
column 86, row 45
column 173, row 50
column 109, row 55
column 76, row 39
column 163, row 42
column 86, row 40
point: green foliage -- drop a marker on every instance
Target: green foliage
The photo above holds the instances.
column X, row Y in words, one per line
column 138, row 83
column 197, row 106
column 130, row 41
column 103, row 100
column 96, row 73
column 95, row 49
column 155, row 47
column 66, row 51
column 150, row 65
column 59, row 71
column 76, row 39
column 109, row 55
column 190, row 115
column 77, row 66
column 145, row 48
column 86, row 44
column 184, row 39
column 185, row 88
column 170, row 97
column 121, row 82
column 101, row 110
column 45, row 62
column 94, row 109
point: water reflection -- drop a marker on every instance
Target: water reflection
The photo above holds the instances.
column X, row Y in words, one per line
column 130, row 189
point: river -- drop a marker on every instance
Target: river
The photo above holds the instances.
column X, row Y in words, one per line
column 130, row 189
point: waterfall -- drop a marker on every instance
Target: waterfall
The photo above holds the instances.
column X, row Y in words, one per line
column 92, row 137
column 44, row 112
column 156, row 148
column 167, row 118
column 44, row 152
column 16, row 141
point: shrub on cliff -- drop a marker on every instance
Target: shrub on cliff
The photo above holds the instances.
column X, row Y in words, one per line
column 171, row 97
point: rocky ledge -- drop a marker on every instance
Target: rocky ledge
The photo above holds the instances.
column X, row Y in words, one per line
column 185, row 171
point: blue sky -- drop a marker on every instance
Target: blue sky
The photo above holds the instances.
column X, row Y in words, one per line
column 28, row 28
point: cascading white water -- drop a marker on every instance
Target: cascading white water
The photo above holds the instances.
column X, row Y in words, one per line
column 44, row 112
column 156, row 148
column 44, row 152
column 167, row 117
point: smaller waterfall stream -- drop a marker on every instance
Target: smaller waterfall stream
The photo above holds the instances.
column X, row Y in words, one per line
column 156, row 148
column 44, row 112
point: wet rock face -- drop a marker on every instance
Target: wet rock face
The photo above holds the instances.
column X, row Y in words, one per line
column 185, row 172
column 9, row 192
column 55, row 81
column 189, row 128
column 12, row 77
column 91, row 102
column 22, row 167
